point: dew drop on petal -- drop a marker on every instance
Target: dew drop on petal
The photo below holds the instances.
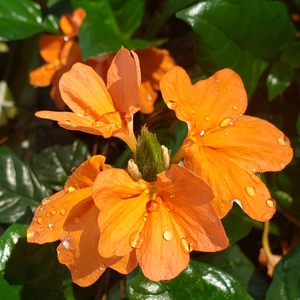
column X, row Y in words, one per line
column 66, row 38
column 171, row 104
column 76, row 220
column 227, row 122
column 283, row 141
column 73, row 169
column 87, row 111
column 137, row 239
column 53, row 212
column 152, row 205
column 226, row 134
column 40, row 220
column 234, row 107
column 224, row 90
column 202, row 133
column 168, row 204
column 250, row 190
column 188, row 244
column 171, row 194
column 50, row 225
column 192, row 112
column 207, row 118
column 45, row 201
column 98, row 124
column 267, row 217
column 168, row 235
column 30, row 234
column 62, row 212
column 145, row 216
column 80, row 115
column 282, row 164
column 68, row 122
column 149, row 97
column 271, row 202
column 256, row 179
column 102, row 267
column 216, row 92
column 41, row 208
column 71, row 189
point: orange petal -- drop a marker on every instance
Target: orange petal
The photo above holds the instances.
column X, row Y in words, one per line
column 43, row 75
column 190, row 198
column 70, row 23
column 253, row 144
column 154, row 64
column 50, row 47
column 49, row 219
column 85, row 92
column 79, row 249
column 70, row 53
column 125, row 264
column 204, row 105
column 162, row 257
column 270, row 261
column 122, row 203
column 148, row 97
column 229, row 182
column 123, row 82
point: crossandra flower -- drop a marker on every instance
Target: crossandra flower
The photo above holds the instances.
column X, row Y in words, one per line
column 71, row 217
column 60, row 52
column 161, row 222
column 98, row 109
column 223, row 146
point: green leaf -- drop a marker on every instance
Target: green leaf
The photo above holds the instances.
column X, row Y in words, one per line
column 6, row 291
column 224, row 39
column 53, row 165
column 279, row 78
column 286, row 277
column 197, row 279
column 234, row 217
column 291, row 55
column 8, row 109
column 233, row 261
column 20, row 19
column 30, row 269
column 19, row 187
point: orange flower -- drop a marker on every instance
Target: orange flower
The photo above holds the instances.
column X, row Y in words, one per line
column 97, row 109
column 161, row 222
column 223, row 146
column 60, row 53
column 71, row 216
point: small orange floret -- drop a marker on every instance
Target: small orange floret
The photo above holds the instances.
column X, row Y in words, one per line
column 161, row 222
column 223, row 146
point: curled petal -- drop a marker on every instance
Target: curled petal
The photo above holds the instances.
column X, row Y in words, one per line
column 70, row 23
column 204, row 105
column 50, row 47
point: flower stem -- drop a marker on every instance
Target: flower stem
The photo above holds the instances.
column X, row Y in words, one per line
column 177, row 157
column 265, row 240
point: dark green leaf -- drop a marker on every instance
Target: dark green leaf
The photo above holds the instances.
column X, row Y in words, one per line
column 20, row 19
column 285, row 283
column 280, row 77
column 298, row 124
column 19, row 187
column 6, row 291
column 291, row 55
column 197, row 279
column 8, row 109
column 234, row 217
column 224, row 39
column 233, row 261
column 53, row 165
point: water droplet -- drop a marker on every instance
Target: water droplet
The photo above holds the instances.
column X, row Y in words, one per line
column 68, row 122
column 145, row 216
column 30, row 234
column 98, row 124
column 137, row 240
column 71, row 189
column 192, row 112
column 168, row 235
column 218, row 80
column 40, row 230
column 80, row 115
column 152, row 205
column 271, row 202
column 226, row 134
column 281, row 164
column 45, row 201
column 227, row 122
column 224, row 90
column 202, row 133
column 41, row 208
column 188, row 244
column 40, row 220
column 234, row 107
column 62, row 212
column 149, row 97
column 168, row 204
column 216, row 92
column 53, row 212
column 267, row 217
column 50, row 225
column 250, row 190
column 128, row 196
column 283, row 141
column 102, row 267
column 152, row 195
column 87, row 111
column 146, row 191
column 256, row 179
column 76, row 220
column 171, row 104
column 240, row 115
column 73, row 169
column 207, row 118
column 66, row 38
column 171, row 195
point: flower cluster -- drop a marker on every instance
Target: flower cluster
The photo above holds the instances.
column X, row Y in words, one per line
column 109, row 217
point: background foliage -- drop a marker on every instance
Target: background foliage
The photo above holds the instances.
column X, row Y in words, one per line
column 259, row 39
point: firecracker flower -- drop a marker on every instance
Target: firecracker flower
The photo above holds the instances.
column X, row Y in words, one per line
column 71, row 217
column 98, row 109
column 60, row 52
column 223, row 146
column 161, row 222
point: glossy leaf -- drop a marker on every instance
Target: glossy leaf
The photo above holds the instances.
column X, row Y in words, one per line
column 19, row 187
column 197, row 279
column 291, row 55
column 30, row 269
column 6, row 291
column 233, row 261
column 53, row 165
column 20, row 19
column 286, row 277
column 279, row 78
column 224, row 39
